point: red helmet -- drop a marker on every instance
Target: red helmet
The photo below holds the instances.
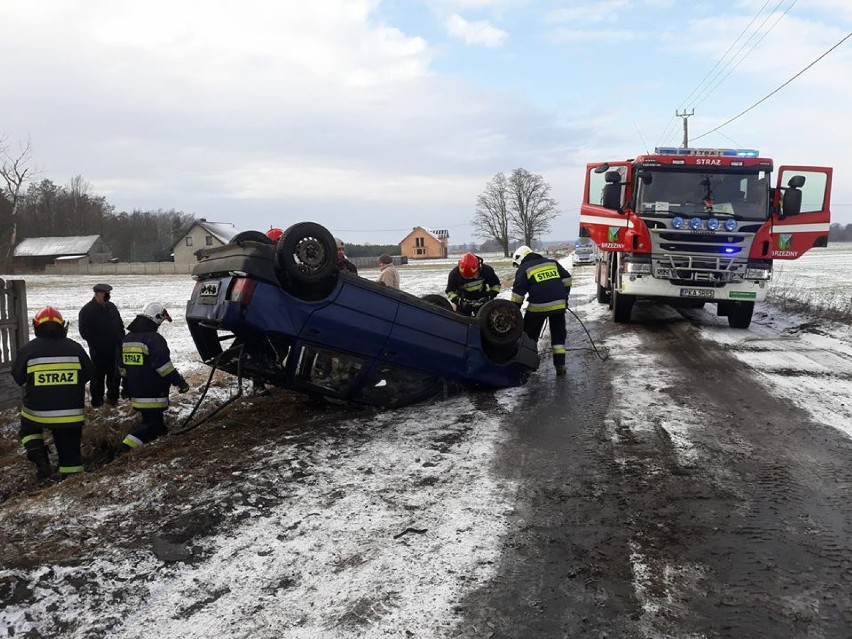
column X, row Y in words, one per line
column 274, row 233
column 48, row 314
column 468, row 266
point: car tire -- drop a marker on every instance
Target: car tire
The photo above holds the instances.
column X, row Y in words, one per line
column 307, row 256
column 500, row 323
column 250, row 236
column 438, row 300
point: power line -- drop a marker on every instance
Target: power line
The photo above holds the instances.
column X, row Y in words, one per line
column 724, row 55
column 730, row 65
column 709, row 91
column 707, row 75
column 766, row 97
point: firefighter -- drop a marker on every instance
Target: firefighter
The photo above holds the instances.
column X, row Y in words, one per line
column 546, row 285
column 146, row 364
column 471, row 283
column 52, row 370
column 101, row 326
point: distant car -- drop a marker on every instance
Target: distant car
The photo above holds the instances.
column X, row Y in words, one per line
column 299, row 323
column 584, row 254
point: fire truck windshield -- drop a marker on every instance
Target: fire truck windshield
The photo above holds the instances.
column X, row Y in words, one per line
column 663, row 191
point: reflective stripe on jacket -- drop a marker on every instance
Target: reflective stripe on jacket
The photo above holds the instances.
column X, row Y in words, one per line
column 53, row 372
column 544, row 282
column 146, row 363
column 473, row 289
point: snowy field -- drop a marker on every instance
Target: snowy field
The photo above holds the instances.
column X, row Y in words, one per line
column 822, row 277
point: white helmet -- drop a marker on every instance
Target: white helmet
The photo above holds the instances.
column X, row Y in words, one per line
column 340, row 244
column 156, row 312
column 520, row 253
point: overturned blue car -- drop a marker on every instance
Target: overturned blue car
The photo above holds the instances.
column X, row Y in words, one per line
column 283, row 314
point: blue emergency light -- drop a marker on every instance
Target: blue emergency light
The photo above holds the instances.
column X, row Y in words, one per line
column 732, row 153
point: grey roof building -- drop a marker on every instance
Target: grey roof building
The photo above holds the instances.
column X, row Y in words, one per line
column 36, row 252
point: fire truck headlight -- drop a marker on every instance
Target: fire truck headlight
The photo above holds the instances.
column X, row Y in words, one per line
column 637, row 269
column 758, row 274
column 677, row 222
column 730, row 225
column 695, row 223
column 712, row 224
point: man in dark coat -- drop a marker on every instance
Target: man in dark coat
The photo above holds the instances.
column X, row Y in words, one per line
column 53, row 371
column 343, row 263
column 546, row 285
column 147, row 367
column 102, row 328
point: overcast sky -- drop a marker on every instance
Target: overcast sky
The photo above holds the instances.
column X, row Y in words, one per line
column 372, row 117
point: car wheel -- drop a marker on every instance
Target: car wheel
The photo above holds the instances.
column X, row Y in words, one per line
column 250, row 236
column 438, row 300
column 307, row 255
column 500, row 322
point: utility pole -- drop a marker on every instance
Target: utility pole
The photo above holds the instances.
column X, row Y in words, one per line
column 685, row 116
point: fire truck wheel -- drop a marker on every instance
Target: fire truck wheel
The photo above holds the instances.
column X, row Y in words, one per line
column 622, row 306
column 603, row 295
column 739, row 314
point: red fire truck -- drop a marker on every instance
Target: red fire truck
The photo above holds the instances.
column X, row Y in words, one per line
column 688, row 226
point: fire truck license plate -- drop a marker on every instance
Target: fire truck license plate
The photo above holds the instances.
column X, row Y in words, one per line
column 697, row 292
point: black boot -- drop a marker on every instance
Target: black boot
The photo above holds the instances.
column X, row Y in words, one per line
column 119, row 451
column 38, row 456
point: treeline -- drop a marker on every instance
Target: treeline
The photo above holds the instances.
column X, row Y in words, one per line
column 371, row 250
column 838, row 233
column 46, row 209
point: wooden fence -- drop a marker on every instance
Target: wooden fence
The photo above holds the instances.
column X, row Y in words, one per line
column 14, row 333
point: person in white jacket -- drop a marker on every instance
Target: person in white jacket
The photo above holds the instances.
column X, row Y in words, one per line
column 388, row 276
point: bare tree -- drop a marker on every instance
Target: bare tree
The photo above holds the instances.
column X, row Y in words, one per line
column 531, row 209
column 14, row 169
column 80, row 191
column 491, row 221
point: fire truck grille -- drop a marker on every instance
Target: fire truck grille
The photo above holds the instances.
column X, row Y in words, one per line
column 685, row 257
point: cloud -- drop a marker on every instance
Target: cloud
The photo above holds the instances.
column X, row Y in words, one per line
column 480, row 32
column 592, row 12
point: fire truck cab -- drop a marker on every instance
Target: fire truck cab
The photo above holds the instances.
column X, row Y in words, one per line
column 688, row 226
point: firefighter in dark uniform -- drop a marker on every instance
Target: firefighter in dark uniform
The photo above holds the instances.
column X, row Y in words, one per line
column 471, row 283
column 546, row 285
column 53, row 371
column 102, row 328
column 147, row 367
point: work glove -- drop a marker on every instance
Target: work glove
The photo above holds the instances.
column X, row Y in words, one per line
column 183, row 388
column 491, row 294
